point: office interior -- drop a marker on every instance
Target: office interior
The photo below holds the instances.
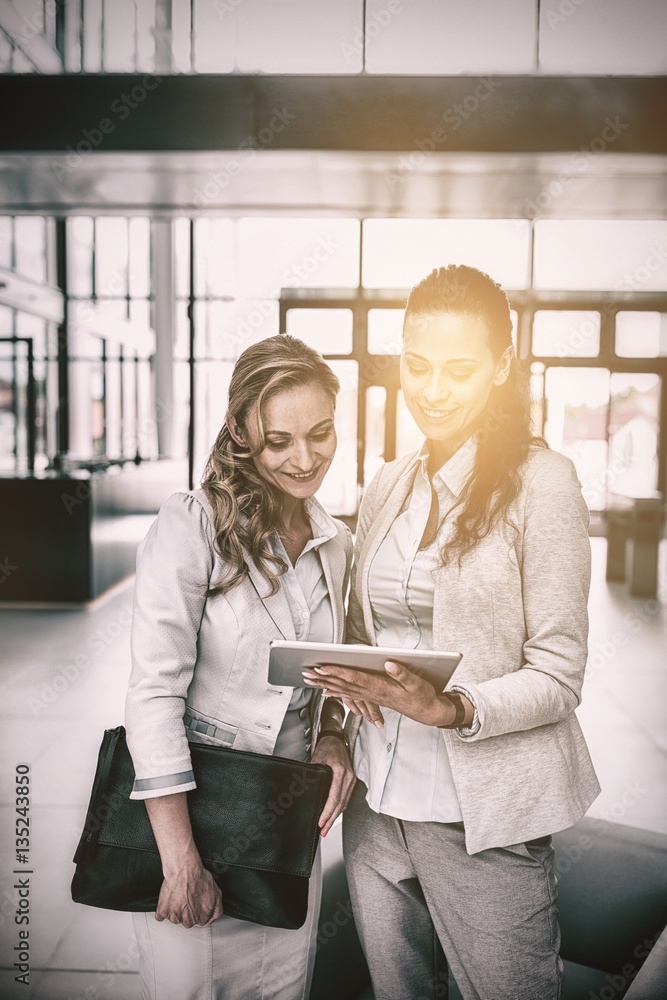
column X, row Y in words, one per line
column 182, row 178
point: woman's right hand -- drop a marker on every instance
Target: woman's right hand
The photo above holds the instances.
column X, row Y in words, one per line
column 367, row 709
column 189, row 896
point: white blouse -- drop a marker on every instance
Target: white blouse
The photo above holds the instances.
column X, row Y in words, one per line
column 306, row 589
column 405, row 766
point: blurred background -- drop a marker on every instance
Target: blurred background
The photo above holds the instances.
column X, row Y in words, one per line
column 180, row 178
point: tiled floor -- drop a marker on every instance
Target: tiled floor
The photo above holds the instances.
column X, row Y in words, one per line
column 55, row 707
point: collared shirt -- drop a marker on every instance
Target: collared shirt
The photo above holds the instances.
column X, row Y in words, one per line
column 405, row 766
column 306, row 589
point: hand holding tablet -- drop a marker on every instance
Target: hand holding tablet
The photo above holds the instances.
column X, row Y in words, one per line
column 288, row 660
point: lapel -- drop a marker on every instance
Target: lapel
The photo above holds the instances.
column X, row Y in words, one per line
column 276, row 604
column 389, row 508
column 332, row 556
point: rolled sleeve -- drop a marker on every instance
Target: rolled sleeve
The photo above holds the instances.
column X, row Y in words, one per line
column 555, row 568
column 174, row 565
column 167, row 784
column 465, row 732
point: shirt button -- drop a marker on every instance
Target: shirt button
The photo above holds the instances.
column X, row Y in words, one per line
column 305, row 616
column 388, row 747
column 303, row 712
column 307, row 731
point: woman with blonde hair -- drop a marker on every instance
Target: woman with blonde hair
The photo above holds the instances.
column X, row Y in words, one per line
column 250, row 557
column 476, row 543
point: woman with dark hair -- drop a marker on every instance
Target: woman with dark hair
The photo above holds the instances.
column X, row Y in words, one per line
column 250, row 557
column 477, row 543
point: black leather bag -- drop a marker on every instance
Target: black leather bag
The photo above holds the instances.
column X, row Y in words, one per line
column 254, row 820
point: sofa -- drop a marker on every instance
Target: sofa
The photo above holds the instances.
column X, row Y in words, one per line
column 612, row 885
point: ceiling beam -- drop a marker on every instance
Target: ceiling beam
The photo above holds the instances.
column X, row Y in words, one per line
column 390, row 113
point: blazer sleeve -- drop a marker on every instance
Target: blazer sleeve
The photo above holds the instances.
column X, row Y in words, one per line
column 174, row 565
column 555, row 568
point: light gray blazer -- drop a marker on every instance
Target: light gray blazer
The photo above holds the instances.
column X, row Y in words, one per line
column 517, row 611
column 207, row 657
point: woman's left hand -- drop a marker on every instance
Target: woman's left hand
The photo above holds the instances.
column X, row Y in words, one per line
column 333, row 752
column 401, row 690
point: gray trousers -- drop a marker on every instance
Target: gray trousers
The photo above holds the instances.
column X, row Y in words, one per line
column 418, row 897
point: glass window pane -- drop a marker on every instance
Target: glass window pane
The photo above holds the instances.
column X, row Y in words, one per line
column 140, row 312
column 225, row 329
column 215, row 36
column 113, row 428
column 215, row 266
column 566, row 333
column 180, row 46
column 322, row 36
column 376, row 407
column 146, row 36
column 577, row 406
column 111, row 256
column 603, row 36
column 329, row 331
column 211, row 390
column 140, row 258
column 119, row 26
column 400, row 252
column 460, row 36
column 129, row 434
column 537, row 398
column 514, row 316
column 80, row 256
column 30, row 246
column 601, row 254
column 28, row 325
column 408, row 436
column 296, row 253
column 6, row 321
column 20, row 62
column 385, row 331
column 109, row 310
column 147, row 425
column 338, row 492
column 92, row 36
column 5, row 53
column 5, row 241
column 641, row 334
column 182, row 257
column 181, row 331
column 633, row 433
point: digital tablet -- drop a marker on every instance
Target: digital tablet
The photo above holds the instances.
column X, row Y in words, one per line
column 288, row 659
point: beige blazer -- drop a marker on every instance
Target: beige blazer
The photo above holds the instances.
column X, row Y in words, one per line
column 207, row 658
column 517, row 611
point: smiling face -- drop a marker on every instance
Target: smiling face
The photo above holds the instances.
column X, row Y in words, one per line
column 300, row 439
column 447, row 373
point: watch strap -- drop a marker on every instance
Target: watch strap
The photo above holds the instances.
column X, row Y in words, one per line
column 460, row 715
column 338, row 734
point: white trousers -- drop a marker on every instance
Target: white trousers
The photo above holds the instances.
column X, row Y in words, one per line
column 230, row 960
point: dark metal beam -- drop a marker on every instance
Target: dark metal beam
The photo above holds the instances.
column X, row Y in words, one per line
column 394, row 113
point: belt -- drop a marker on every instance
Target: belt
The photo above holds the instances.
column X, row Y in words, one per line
column 199, row 726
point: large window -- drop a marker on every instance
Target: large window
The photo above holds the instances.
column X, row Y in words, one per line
column 110, row 340
column 336, row 36
column 28, row 344
column 227, row 297
column 593, row 332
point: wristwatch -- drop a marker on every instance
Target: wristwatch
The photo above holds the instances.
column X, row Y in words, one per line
column 338, row 734
column 460, row 710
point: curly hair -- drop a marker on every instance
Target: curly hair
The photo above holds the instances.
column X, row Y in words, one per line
column 246, row 508
column 503, row 431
